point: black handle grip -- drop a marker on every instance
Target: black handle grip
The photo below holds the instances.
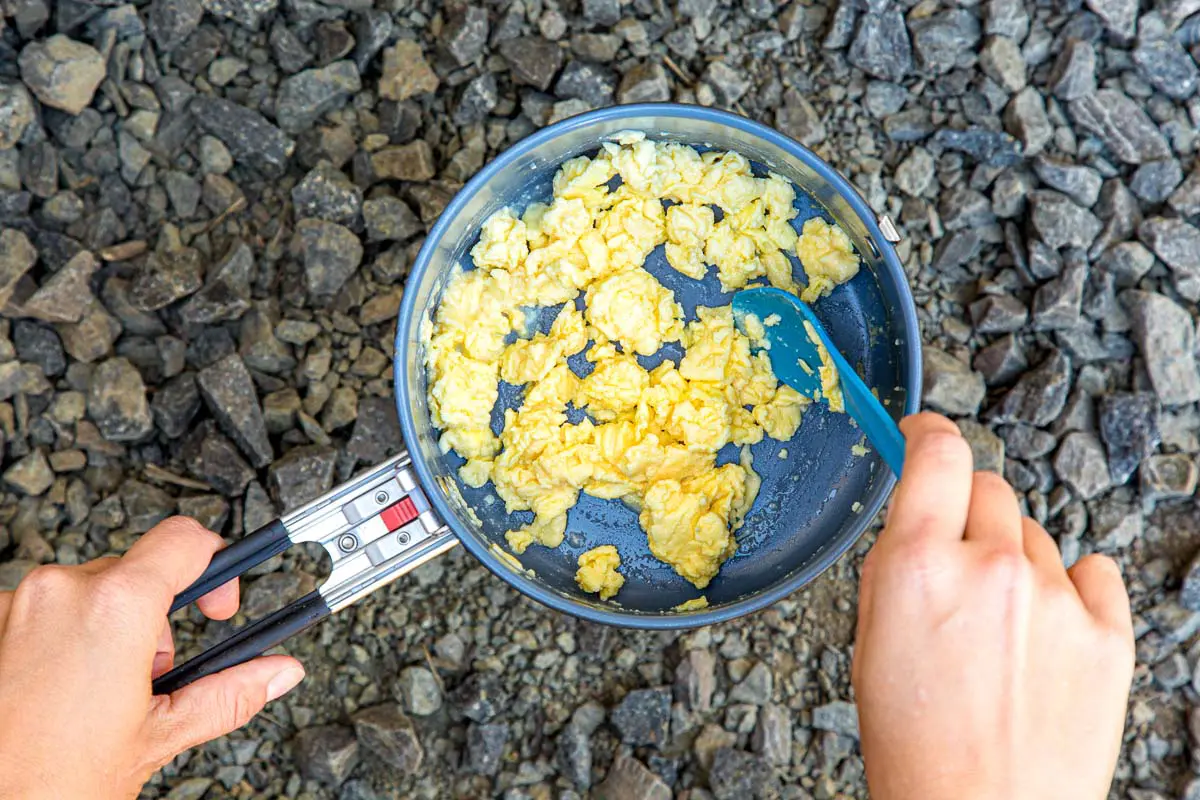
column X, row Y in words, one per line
column 247, row 643
column 249, row 551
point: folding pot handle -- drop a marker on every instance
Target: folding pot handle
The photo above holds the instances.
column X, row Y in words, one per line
column 375, row 527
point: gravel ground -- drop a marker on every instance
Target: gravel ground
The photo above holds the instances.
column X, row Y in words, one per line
column 207, row 212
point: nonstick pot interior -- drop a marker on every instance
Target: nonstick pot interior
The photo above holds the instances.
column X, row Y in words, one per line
column 814, row 503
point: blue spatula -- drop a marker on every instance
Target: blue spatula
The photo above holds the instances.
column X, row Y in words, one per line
column 790, row 346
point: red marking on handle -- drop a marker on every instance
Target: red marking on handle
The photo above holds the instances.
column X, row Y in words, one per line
column 399, row 515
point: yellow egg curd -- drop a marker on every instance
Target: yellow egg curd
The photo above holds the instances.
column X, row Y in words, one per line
column 597, row 571
column 650, row 437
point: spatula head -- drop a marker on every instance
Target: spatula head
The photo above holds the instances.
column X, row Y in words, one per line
column 794, row 356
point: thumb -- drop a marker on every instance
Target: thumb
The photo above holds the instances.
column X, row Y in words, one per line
column 218, row 704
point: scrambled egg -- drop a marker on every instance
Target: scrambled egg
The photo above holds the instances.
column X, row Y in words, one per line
column 650, row 438
column 695, row 604
column 598, row 571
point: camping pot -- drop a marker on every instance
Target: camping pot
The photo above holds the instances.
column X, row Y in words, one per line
column 812, row 506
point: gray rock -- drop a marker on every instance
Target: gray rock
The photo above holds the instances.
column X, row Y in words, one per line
column 950, row 385
column 372, row 30
column 629, row 779
column 1081, row 184
column 643, row 717
column 485, row 747
column 987, row 449
column 16, row 113
column 66, row 294
column 1167, row 67
column 994, row 148
column 1176, row 623
column 1040, row 395
column 387, row 733
column 1166, row 338
column 145, row 505
column 13, row 572
column 798, row 119
column 772, row 738
column 956, row 249
column 532, row 60
column 1025, row 117
column 1115, row 525
column 166, row 277
column 17, row 256
column 302, row 474
column 326, row 193
column 592, row 83
column 838, row 716
column 407, row 162
column 1129, row 428
column 1178, row 245
column 1056, row 305
column 307, row 96
column 1081, row 465
column 756, row 688
column 1060, row 222
column 92, row 337
column 1006, row 18
column 1173, row 673
column 331, row 254
column 31, row 475
column 736, row 775
column 1189, row 590
column 881, row 47
column 212, row 511
column 216, row 460
column 1155, row 180
column 418, row 691
column 62, row 73
column 291, row 54
column 251, row 139
column 941, row 41
column 327, row 754
column 1001, row 60
column 728, row 84
column 226, row 295
column 998, row 314
column 228, row 390
column 695, row 680
column 962, row 208
column 480, row 696
column 915, row 174
column 840, row 30
column 644, row 83
column 175, row 404
column 245, row 12
column 1168, row 477
column 573, row 745
column 465, row 34
column 1119, row 16
column 477, row 100
column 1118, row 121
column 117, row 402
column 170, row 22
column 883, row 98
column 1186, row 199
column 40, row 345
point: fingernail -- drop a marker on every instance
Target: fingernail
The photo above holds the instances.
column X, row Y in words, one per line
column 284, row 682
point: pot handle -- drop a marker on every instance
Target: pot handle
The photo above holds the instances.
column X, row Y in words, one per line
column 375, row 527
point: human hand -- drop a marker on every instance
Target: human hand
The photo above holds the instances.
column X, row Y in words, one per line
column 79, row 647
column 984, row 669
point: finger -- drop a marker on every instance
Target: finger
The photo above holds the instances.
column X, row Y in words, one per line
column 164, row 655
column 1098, row 580
column 994, row 518
column 5, row 604
column 222, row 602
column 218, row 704
column 1041, row 549
column 935, row 492
column 170, row 557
